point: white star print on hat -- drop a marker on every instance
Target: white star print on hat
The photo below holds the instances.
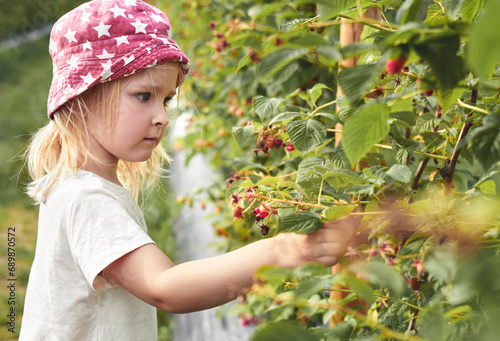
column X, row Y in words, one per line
column 104, row 40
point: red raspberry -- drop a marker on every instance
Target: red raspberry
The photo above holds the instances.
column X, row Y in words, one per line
column 278, row 142
column 394, row 66
column 289, row 147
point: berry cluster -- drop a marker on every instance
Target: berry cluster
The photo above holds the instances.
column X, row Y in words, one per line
column 270, row 139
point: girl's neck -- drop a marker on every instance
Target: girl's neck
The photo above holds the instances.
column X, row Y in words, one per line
column 107, row 172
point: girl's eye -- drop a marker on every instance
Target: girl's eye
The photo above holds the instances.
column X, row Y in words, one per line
column 166, row 101
column 143, row 96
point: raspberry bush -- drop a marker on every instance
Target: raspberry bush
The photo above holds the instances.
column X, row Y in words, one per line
column 413, row 147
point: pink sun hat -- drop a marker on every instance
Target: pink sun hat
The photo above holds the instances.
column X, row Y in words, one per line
column 104, row 40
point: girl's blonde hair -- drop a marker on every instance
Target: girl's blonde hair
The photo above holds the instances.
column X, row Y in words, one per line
column 60, row 148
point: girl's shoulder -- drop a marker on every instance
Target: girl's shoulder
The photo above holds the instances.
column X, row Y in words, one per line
column 83, row 182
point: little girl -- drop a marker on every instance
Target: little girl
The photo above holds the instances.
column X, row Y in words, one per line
column 97, row 275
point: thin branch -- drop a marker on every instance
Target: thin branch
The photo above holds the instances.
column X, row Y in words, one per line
column 456, row 152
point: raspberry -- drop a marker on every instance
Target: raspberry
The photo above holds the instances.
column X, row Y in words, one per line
column 270, row 142
column 264, row 229
column 394, row 66
column 278, row 142
column 289, row 147
column 415, row 284
column 428, row 93
column 237, row 211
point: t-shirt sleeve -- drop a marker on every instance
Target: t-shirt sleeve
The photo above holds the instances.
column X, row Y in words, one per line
column 100, row 231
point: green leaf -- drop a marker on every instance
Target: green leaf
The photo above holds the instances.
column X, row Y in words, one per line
column 265, row 106
column 432, row 324
column 363, row 129
column 243, row 135
column 361, row 288
column 452, row 7
column 336, row 212
column 302, row 222
column 382, row 274
column 440, row 51
column 306, row 134
column 495, row 169
column 407, row 12
column 243, row 62
column 269, row 180
column 470, row 8
column 401, row 173
column 284, row 330
column 435, row 15
column 275, row 61
column 342, row 177
column 483, row 52
column 286, row 116
column 331, row 9
column 487, row 187
column 485, row 141
column 448, row 97
column 315, row 92
column 260, row 11
column 357, row 81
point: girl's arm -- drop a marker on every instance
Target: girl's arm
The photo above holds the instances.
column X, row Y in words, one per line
column 196, row 285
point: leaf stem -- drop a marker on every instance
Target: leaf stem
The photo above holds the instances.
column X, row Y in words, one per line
column 384, row 146
column 471, row 107
column 371, row 23
column 322, row 106
column 291, row 202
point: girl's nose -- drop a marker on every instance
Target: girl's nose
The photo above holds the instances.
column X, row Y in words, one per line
column 160, row 118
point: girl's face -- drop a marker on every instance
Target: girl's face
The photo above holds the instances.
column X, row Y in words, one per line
column 141, row 120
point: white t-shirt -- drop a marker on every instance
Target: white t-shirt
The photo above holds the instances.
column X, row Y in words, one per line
column 85, row 224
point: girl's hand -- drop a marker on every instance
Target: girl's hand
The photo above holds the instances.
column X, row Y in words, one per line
column 325, row 246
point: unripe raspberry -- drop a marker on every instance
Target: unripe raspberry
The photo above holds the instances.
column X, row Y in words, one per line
column 394, row 66
column 270, row 142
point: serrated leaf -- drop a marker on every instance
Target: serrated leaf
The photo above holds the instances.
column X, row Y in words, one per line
column 243, row 62
column 306, row 135
column 362, row 289
column 284, row 330
column 302, row 222
column 470, row 8
column 452, row 7
column 243, row 135
column 427, row 122
column 400, row 173
column 432, row 323
column 331, row 9
column 382, row 274
column 435, row 15
column 265, row 106
column 363, row 129
column 448, row 97
column 315, row 92
column 357, row 81
column 270, row 180
column 276, row 60
column 487, row 187
column 483, row 52
column 407, row 12
column 260, row 11
column 440, row 51
column 336, row 212
column 286, row 116
column 485, row 141
column 341, row 178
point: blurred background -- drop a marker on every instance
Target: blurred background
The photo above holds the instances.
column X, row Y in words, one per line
column 25, row 76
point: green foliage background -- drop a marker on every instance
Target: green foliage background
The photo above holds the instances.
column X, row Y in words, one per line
column 420, row 166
